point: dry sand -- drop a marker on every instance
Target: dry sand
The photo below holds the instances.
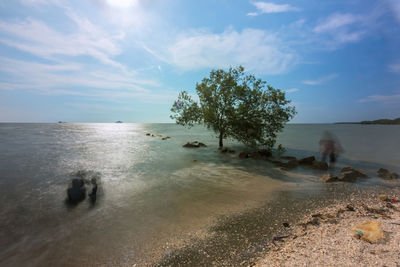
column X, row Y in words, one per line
column 324, row 238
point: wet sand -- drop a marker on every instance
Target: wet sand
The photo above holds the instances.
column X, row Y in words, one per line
column 245, row 239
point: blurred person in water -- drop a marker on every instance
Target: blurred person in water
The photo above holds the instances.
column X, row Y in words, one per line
column 330, row 146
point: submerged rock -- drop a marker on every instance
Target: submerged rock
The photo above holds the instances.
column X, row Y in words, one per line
column 227, row 150
column 369, row 231
column 290, row 164
column 288, row 158
column 243, row 155
column 348, row 174
column 307, row 161
column 194, row 144
column 326, row 178
column 320, row 165
column 265, row 153
column 387, row 175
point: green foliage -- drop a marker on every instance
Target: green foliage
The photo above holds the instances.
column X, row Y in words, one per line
column 236, row 105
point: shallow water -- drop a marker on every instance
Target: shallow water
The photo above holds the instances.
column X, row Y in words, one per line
column 154, row 195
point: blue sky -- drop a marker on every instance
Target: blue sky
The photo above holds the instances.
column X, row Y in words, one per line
column 109, row 60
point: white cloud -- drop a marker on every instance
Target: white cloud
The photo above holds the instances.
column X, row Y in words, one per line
column 69, row 78
column 395, row 68
column 292, row 90
column 346, row 27
column 320, row 80
column 255, row 49
column 335, row 21
column 35, row 37
column 268, row 7
column 387, row 99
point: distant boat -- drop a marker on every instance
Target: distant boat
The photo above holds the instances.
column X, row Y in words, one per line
column 118, row 122
column 61, row 122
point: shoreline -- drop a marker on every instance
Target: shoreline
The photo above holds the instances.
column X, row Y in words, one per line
column 324, row 237
column 244, row 239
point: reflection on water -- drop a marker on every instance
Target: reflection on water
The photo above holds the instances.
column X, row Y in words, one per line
column 153, row 194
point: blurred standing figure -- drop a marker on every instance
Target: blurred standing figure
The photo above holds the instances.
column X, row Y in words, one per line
column 330, row 146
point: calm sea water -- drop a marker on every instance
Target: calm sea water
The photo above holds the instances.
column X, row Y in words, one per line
column 154, row 195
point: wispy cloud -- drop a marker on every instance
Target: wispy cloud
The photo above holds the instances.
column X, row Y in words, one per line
column 336, row 21
column 257, row 50
column 394, row 68
column 292, row 90
column 387, row 99
column 320, row 80
column 345, row 28
column 268, row 7
column 36, row 37
column 394, row 6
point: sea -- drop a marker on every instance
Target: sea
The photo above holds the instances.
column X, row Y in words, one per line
column 154, row 197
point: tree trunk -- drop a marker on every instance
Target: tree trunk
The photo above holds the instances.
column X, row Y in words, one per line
column 220, row 140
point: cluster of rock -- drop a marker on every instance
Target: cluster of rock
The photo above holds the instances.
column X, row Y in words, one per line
column 158, row 135
column 347, row 174
column 194, row 144
column 227, row 150
column 387, row 175
column 287, row 162
column 77, row 191
column 259, row 154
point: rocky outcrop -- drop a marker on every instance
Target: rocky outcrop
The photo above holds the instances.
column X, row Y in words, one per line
column 227, row 150
column 166, row 138
column 307, row 161
column 243, row 155
column 327, row 178
column 290, row 164
column 77, row 192
column 319, row 165
column 194, row 144
column 288, row 158
column 387, row 175
column 348, row 174
column 258, row 154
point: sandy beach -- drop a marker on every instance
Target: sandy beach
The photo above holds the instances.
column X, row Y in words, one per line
column 324, row 237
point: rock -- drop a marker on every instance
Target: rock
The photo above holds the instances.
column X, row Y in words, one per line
column 285, row 224
column 288, row 158
column 227, row 150
column 290, row 164
column 243, row 155
column 326, row 178
column 76, row 194
column 387, row 175
column 383, row 197
column 348, row 174
column 194, row 144
column 320, row 165
column 147, row 134
column 350, row 207
column 78, row 191
column 265, row 153
column 307, row 161
column 255, row 155
column 369, row 231
column 77, row 183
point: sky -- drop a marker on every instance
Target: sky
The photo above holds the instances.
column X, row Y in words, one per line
column 127, row 60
